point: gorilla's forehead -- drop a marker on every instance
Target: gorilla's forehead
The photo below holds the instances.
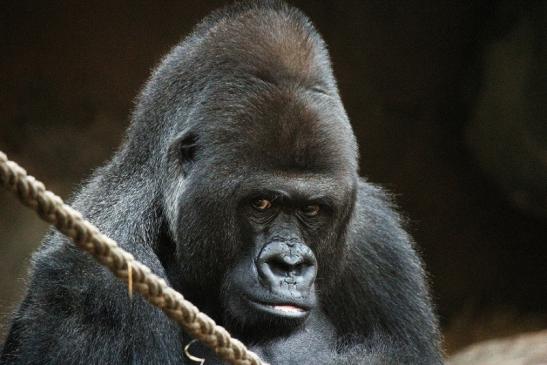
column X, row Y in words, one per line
column 282, row 131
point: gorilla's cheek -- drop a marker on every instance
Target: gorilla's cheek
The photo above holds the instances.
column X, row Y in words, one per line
column 238, row 284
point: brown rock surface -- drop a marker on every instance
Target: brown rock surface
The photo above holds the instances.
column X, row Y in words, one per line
column 524, row 349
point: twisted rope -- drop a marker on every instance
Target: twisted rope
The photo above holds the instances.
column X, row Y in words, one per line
column 121, row 263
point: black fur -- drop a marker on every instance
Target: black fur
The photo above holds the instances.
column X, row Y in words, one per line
column 246, row 103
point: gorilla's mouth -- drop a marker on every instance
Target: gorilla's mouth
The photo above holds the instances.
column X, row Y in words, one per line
column 286, row 310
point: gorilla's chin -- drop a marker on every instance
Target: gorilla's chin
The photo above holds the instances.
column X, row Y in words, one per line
column 265, row 316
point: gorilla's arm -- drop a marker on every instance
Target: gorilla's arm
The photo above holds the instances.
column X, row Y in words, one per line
column 76, row 312
column 381, row 301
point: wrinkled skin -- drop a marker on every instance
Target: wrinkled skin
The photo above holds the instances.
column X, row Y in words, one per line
column 237, row 183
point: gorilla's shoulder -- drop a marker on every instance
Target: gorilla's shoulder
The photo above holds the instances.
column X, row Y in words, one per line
column 378, row 233
column 59, row 261
column 382, row 271
column 376, row 208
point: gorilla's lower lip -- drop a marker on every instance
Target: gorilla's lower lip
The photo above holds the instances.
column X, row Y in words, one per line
column 288, row 308
column 282, row 310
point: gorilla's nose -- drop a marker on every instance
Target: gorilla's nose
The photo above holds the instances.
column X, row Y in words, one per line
column 287, row 265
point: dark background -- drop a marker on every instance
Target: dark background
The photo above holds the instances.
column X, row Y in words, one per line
column 446, row 99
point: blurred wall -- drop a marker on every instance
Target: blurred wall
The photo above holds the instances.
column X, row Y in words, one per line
column 410, row 73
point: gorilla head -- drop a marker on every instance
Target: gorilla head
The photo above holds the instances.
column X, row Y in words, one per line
column 262, row 166
column 238, row 183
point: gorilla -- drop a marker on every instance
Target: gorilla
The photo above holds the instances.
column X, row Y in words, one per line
column 237, row 182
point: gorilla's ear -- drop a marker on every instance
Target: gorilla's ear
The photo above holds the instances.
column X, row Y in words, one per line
column 183, row 151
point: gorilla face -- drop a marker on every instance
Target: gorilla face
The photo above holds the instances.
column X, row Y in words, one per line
column 276, row 220
column 282, row 228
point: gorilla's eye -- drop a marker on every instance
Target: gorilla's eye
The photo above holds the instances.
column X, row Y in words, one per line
column 311, row 210
column 262, row 204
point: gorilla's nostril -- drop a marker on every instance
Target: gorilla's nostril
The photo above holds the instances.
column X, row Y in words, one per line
column 281, row 267
column 288, row 266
